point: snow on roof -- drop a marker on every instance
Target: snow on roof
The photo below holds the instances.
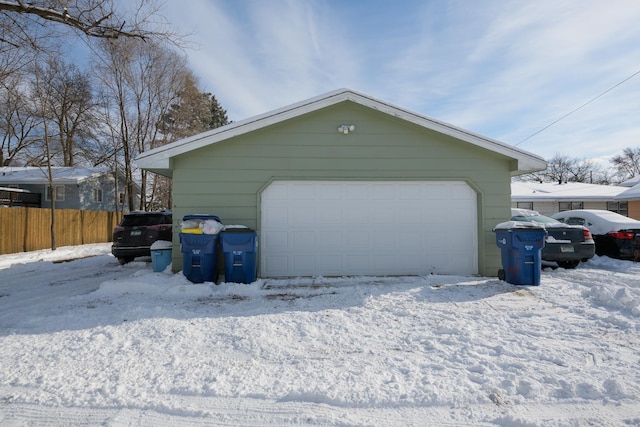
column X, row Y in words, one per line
column 550, row 191
column 37, row 175
column 631, row 182
column 158, row 159
column 632, row 193
column 14, row 190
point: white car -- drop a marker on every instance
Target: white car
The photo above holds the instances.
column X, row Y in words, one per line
column 616, row 236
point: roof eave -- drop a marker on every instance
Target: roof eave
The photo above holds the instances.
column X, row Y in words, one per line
column 158, row 159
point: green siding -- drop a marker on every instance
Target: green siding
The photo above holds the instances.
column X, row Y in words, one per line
column 226, row 178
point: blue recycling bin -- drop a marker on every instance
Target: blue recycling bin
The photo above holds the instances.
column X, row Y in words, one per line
column 200, row 252
column 239, row 247
column 200, row 257
column 521, row 252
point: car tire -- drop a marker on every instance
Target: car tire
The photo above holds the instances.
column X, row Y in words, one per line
column 568, row 264
column 125, row 260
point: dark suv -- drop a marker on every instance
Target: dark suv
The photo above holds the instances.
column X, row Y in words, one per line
column 136, row 233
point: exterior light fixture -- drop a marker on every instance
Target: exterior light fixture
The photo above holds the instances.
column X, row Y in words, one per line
column 345, row 129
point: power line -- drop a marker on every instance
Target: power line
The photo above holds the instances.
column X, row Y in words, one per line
column 580, row 107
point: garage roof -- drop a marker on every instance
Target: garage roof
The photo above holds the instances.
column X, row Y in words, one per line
column 159, row 159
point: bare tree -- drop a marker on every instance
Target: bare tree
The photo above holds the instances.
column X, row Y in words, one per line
column 19, row 122
column 193, row 112
column 93, row 18
column 40, row 94
column 627, row 164
column 28, row 29
column 142, row 80
column 72, row 105
column 562, row 168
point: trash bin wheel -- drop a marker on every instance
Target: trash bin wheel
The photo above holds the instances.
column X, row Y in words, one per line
column 501, row 275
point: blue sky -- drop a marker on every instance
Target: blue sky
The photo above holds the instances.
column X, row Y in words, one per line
column 504, row 69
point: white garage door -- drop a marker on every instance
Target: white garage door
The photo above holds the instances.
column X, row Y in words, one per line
column 335, row 228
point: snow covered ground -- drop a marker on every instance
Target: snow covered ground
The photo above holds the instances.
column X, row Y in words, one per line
column 90, row 342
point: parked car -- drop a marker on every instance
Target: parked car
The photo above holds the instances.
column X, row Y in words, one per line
column 136, row 233
column 616, row 236
column 566, row 245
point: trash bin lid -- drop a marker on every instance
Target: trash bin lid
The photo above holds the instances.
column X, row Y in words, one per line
column 160, row 245
column 236, row 229
column 201, row 216
column 518, row 225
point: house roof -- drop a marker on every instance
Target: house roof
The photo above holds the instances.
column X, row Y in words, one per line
column 631, row 182
column 632, row 193
column 36, row 175
column 548, row 191
column 159, row 159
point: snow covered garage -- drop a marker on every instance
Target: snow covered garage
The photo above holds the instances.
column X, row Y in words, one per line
column 345, row 184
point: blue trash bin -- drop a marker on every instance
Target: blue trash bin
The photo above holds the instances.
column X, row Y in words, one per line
column 200, row 251
column 239, row 247
column 200, row 257
column 521, row 252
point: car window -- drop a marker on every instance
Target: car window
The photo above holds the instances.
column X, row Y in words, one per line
column 576, row 221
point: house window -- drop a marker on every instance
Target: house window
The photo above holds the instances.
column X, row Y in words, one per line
column 568, row 206
column 59, row 192
column 97, row 195
column 525, row 205
column 618, row 207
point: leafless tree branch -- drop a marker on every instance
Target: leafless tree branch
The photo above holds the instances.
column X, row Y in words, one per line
column 102, row 26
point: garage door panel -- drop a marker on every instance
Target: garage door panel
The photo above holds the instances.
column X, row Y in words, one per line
column 330, row 216
column 356, row 191
column 304, row 240
column 385, row 214
column 329, row 191
column 357, row 239
column 354, row 214
column 345, row 228
column 302, row 191
column 276, row 262
column 384, row 239
column 330, row 239
column 302, row 263
column 276, row 216
column 383, row 192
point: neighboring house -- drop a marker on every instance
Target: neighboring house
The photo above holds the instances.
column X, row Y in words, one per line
column 74, row 187
column 631, row 196
column 15, row 197
column 550, row 198
column 345, row 184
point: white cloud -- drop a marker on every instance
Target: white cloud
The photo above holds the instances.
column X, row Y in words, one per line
column 504, row 69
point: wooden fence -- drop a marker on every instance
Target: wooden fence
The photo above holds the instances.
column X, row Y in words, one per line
column 29, row 229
